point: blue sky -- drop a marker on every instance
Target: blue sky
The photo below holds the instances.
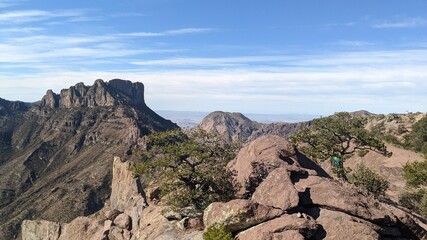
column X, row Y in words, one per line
column 280, row 56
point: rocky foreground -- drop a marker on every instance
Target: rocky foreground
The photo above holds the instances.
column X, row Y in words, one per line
column 284, row 195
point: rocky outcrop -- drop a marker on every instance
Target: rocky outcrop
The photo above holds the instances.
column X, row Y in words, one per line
column 275, row 176
column 127, row 217
column 50, row 100
column 127, row 195
column 56, row 157
column 291, row 200
column 236, row 126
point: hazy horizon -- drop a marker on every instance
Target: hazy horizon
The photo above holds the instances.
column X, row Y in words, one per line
column 270, row 57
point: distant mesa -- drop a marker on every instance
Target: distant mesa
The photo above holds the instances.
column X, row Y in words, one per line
column 236, row 126
column 112, row 93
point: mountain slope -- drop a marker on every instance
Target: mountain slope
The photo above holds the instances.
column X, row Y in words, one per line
column 56, row 157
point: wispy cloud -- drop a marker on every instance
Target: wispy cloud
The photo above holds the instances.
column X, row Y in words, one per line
column 405, row 23
column 20, row 30
column 346, row 24
column 343, row 59
column 353, row 43
column 51, row 48
column 24, row 16
column 180, row 31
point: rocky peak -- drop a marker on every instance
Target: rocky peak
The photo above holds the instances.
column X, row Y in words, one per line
column 112, row 93
column 236, row 126
column 50, row 99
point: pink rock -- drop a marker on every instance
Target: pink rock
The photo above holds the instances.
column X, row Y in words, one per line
column 277, row 191
column 238, row 214
column 278, row 228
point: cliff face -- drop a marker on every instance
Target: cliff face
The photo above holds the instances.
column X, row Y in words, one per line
column 236, row 126
column 113, row 93
column 56, row 157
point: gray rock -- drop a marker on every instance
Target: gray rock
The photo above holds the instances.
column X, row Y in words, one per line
column 40, row 230
column 126, row 189
column 112, row 214
column 123, row 221
column 116, row 233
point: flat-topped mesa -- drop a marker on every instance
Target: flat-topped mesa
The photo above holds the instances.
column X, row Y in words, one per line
column 112, row 93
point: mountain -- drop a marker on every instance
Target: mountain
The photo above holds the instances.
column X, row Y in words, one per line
column 236, row 126
column 293, row 198
column 56, row 156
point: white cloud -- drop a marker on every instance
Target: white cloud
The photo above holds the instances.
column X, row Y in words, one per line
column 181, row 31
column 24, row 16
column 20, row 30
column 336, row 60
column 405, row 23
column 353, row 43
column 347, row 24
column 388, row 87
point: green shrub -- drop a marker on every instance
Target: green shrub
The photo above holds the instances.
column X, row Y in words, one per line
column 415, row 173
column 362, row 153
column 417, row 139
column 367, row 179
column 189, row 168
column 217, row 232
column 415, row 200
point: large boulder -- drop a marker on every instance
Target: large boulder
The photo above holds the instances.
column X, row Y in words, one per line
column 238, row 214
column 282, row 228
column 342, row 197
column 277, row 190
column 268, row 152
column 339, row 225
column 83, row 228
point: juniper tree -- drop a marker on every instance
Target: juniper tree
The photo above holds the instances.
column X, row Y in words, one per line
column 189, row 168
column 340, row 136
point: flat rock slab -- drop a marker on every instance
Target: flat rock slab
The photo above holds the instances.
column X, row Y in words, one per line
column 238, row 214
column 338, row 225
column 280, row 227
